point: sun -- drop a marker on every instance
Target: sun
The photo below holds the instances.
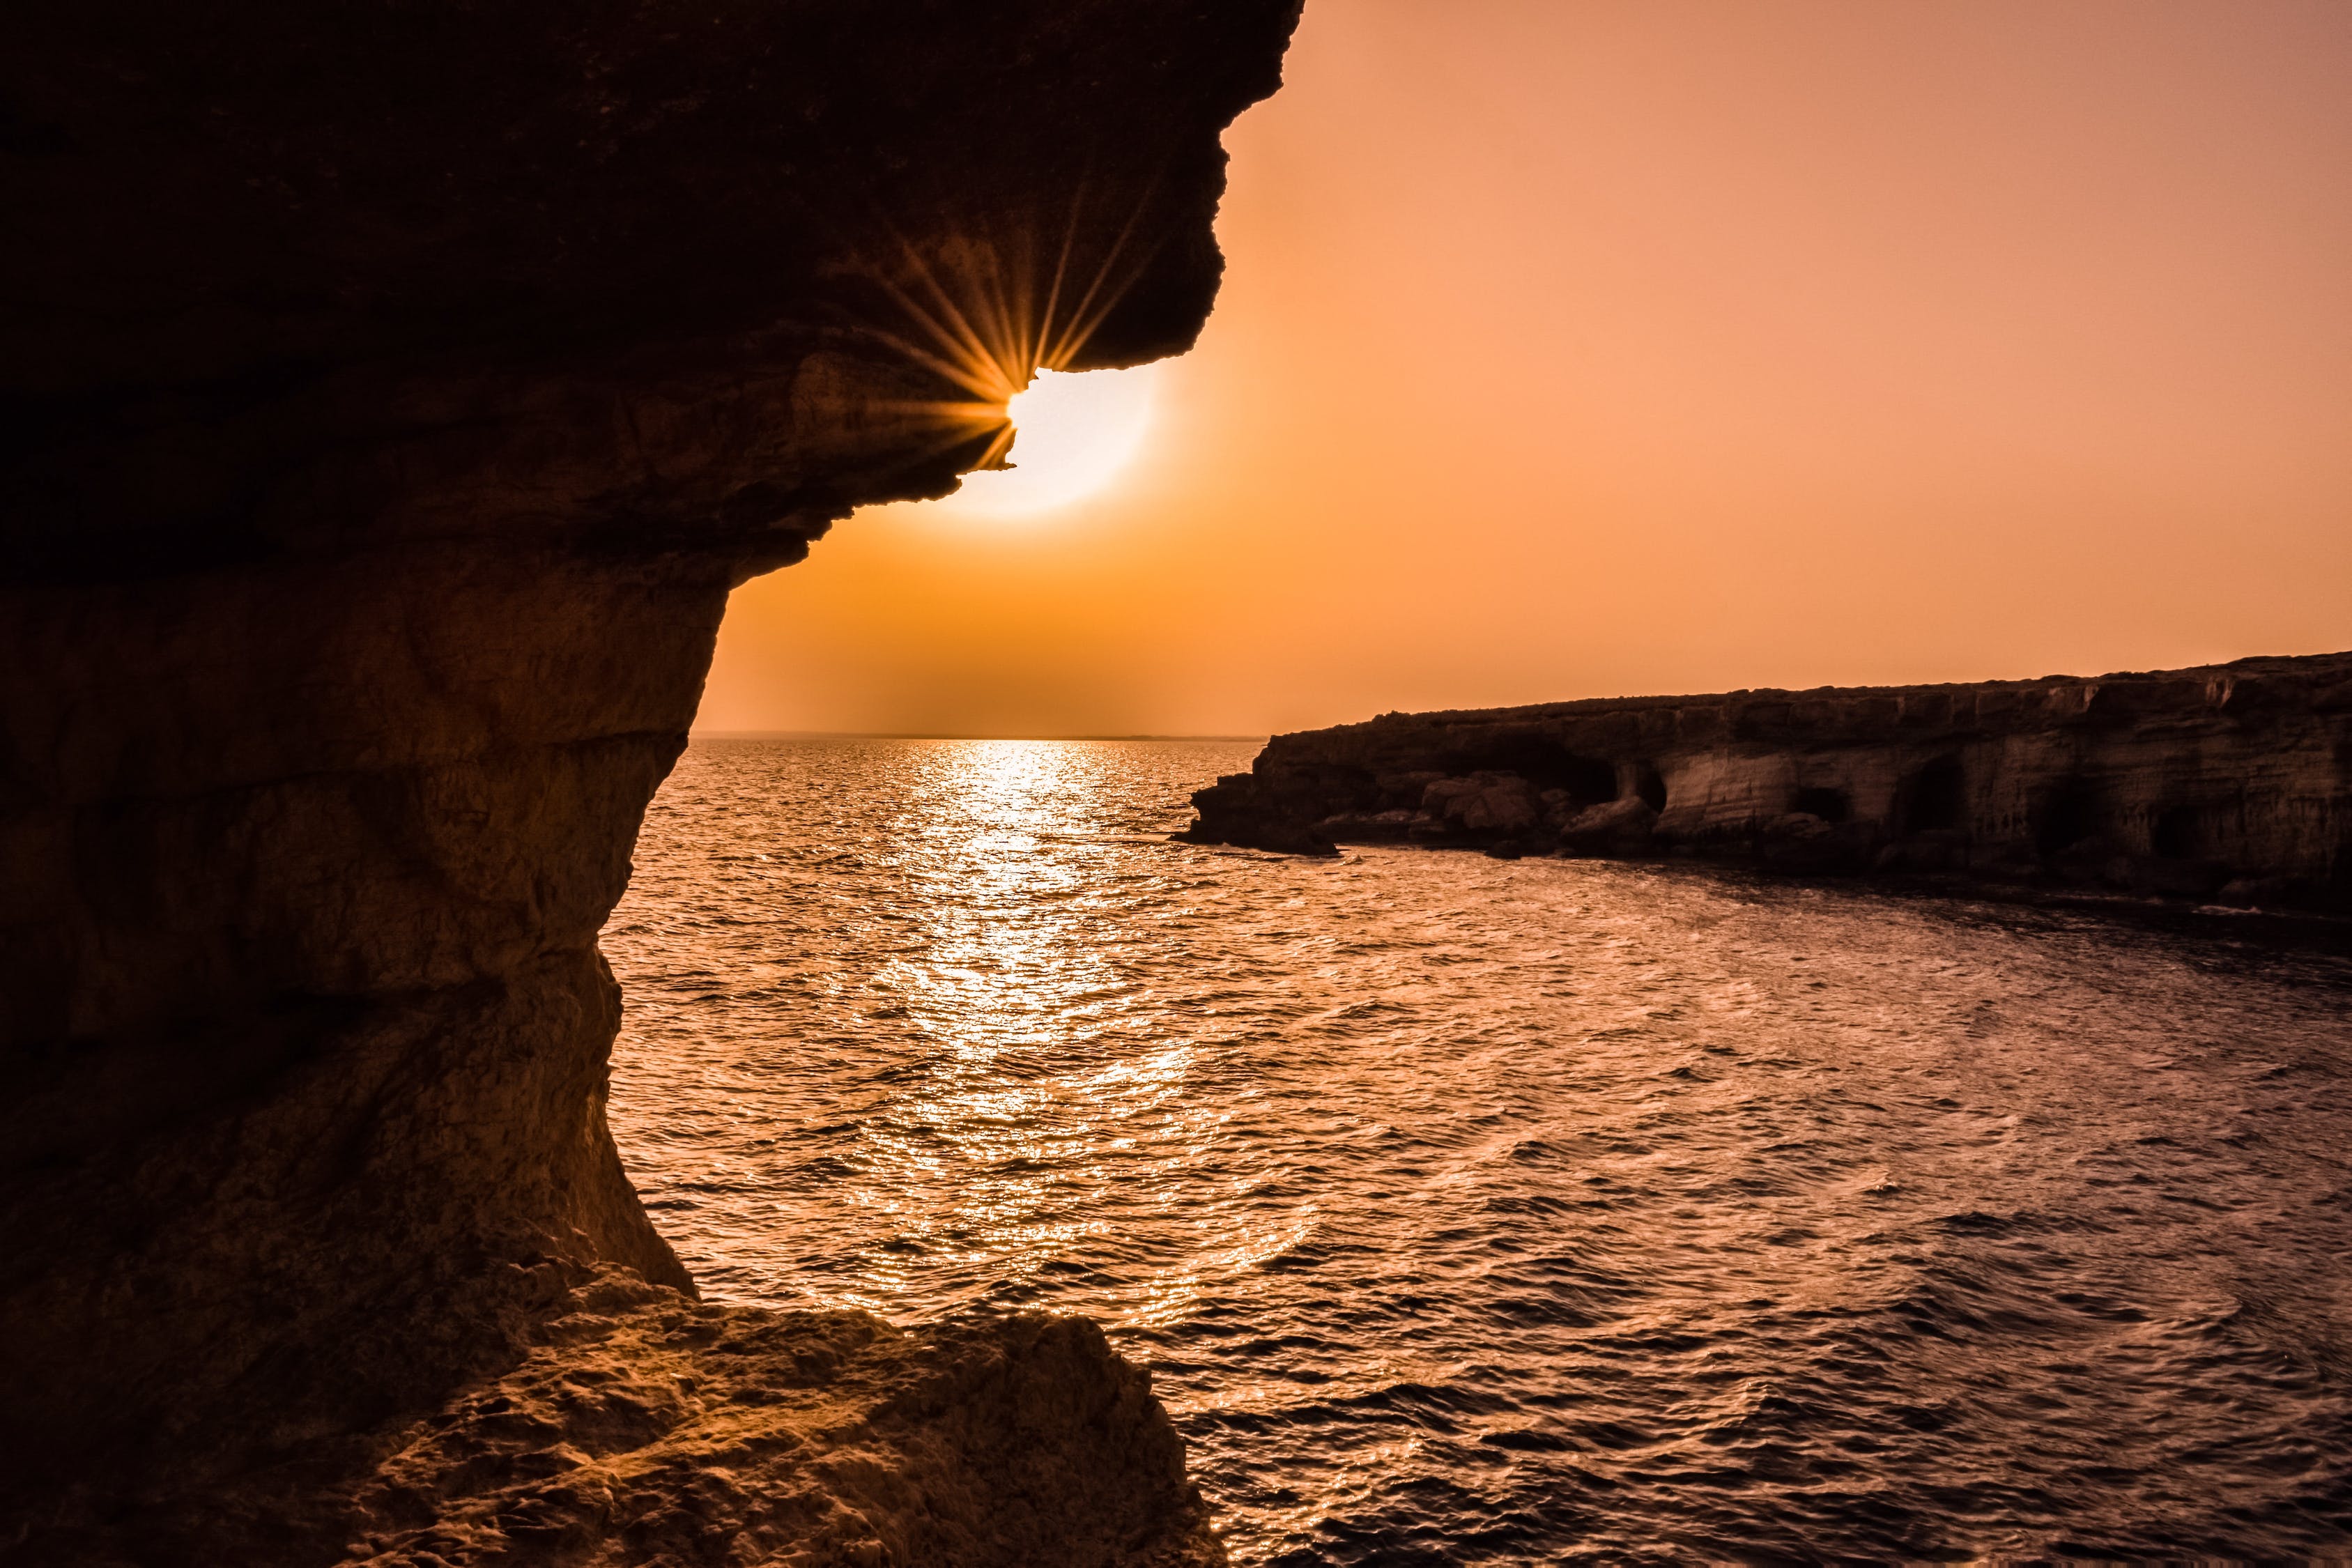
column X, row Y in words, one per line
column 1074, row 431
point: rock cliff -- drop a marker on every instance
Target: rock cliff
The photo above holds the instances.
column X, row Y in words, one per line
column 395, row 390
column 2232, row 782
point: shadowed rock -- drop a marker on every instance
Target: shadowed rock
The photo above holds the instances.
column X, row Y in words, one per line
column 394, row 392
column 641, row 1426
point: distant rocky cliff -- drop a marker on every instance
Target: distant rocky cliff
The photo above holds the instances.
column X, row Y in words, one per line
column 2230, row 783
column 394, row 391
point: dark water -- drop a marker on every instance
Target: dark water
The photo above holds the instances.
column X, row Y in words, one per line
column 1474, row 1212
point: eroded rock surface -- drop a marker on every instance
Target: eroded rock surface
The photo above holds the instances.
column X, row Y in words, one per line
column 2232, row 782
column 644, row 1426
column 395, row 391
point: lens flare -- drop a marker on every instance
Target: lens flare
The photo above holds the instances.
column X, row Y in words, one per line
column 997, row 322
column 1073, row 433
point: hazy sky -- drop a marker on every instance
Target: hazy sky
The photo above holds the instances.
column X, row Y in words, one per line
column 1574, row 348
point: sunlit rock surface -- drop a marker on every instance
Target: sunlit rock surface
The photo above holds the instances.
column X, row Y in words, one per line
column 2229, row 783
column 395, row 393
column 642, row 1425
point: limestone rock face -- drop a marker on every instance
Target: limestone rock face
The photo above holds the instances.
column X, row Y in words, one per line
column 2231, row 781
column 395, row 391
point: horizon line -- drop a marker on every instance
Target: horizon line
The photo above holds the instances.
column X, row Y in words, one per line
column 932, row 735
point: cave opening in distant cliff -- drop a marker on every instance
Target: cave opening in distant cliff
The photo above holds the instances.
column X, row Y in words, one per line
column 1936, row 797
column 2068, row 815
column 1829, row 805
column 1547, row 765
column 1650, row 787
column 2179, row 833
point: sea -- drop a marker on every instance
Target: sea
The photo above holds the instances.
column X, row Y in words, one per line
column 1467, row 1211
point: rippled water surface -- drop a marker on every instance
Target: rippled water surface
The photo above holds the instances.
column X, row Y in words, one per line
column 1481, row 1211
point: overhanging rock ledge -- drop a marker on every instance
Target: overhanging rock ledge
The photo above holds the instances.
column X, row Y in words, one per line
column 394, row 392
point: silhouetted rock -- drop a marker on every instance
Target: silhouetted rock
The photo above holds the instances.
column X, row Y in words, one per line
column 1627, row 826
column 2184, row 783
column 1390, row 827
column 395, row 391
column 1484, row 803
column 1279, row 832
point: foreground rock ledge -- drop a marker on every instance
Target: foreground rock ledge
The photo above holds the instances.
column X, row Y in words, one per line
column 2229, row 782
column 643, row 1427
column 395, row 390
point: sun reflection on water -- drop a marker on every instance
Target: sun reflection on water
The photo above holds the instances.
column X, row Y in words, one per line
column 1027, row 1124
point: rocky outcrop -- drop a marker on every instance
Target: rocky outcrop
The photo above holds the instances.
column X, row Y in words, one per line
column 643, row 1427
column 394, row 392
column 2232, row 782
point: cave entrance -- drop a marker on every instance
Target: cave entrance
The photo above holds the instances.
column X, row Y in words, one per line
column 1829, row 805
column 1545, row 763
column 2068, row 815
column 1650, row 786
column 1936, row 798
column 2179, row 833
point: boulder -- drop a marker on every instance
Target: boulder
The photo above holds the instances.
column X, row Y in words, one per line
column 1441, row 792
column 1406, row 788
column 1484, row 803
column 1624, row 826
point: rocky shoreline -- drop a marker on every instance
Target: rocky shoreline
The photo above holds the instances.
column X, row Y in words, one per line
column 2229, row 783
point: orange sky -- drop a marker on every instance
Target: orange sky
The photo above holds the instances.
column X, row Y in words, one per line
column 1575, row 349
